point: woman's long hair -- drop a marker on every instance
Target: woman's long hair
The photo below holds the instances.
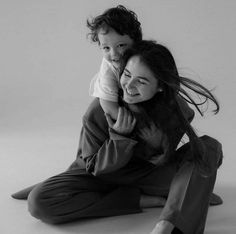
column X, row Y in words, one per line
column 161, row 62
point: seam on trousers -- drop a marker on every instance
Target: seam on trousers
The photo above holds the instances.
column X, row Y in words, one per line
column 174, row 215
column 187, row 183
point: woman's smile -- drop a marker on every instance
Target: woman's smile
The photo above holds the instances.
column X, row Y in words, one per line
column 137, row 81
column 131, row 93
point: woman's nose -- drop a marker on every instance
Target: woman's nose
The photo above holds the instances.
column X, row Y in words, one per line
column 131, row 83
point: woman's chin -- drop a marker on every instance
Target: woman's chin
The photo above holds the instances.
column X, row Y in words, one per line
column 130, row 100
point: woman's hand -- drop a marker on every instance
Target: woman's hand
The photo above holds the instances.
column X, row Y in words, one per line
column 151, row 134
column 125, row 122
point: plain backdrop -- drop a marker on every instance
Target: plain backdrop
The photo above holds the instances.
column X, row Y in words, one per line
column 47, row 63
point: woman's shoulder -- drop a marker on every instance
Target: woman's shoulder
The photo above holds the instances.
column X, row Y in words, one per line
column 167, row 115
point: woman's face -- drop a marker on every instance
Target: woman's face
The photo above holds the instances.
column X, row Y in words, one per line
column 137, row 81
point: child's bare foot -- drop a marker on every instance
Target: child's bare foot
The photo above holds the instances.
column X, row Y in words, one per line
column 163, row 227
column 151, row 201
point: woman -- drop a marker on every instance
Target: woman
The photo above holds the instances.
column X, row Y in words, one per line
column 133, row 162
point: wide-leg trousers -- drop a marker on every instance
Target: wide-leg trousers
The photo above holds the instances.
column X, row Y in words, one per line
column 76, row 194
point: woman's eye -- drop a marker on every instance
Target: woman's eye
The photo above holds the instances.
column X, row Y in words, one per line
column 141, row 82
column 127, row 75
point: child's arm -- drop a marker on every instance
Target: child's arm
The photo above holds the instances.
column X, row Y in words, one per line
column 110, row 108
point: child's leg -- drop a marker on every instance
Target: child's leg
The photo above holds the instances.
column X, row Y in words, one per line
column 74, row 194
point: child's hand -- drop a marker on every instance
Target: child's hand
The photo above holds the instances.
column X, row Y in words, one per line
column 151, row 135
column 125, row 122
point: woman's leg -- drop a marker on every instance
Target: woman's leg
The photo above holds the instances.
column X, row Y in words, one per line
column 188, row 200
column 74, row 194
column 190, row 191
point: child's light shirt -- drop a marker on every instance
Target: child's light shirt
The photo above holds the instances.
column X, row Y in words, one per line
column 105, row 84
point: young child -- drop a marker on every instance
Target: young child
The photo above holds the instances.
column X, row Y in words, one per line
column 115, row 31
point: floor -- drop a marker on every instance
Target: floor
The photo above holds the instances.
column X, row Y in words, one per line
column 28, row 159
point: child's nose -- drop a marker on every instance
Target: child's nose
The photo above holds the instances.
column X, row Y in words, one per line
column 114, row 53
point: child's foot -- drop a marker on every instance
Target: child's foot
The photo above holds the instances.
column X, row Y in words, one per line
column 163, row 227
column 151, row 201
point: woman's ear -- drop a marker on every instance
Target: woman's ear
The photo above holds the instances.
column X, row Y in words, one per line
column 159, row 90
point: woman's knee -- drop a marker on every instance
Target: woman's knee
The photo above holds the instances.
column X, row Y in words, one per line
column 213, row 155
column 34, row 205
column 213, row 152
column 52, row 207
column 38, row 205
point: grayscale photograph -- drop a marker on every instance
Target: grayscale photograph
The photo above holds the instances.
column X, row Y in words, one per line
column 116, row 117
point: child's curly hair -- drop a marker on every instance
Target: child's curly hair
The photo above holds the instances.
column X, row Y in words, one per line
column 120, row 19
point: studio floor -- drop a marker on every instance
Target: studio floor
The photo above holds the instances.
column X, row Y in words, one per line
column 28, row 159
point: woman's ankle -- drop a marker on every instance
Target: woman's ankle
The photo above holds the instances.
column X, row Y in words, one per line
column 147, row 201
column 163, row 227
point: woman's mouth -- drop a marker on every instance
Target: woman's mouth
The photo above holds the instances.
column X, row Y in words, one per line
column 130, row 93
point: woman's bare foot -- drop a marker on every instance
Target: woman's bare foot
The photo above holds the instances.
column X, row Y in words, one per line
column 147, row 201
column 163, row 227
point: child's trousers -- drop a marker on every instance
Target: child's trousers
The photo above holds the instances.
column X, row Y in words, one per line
column 75, row 194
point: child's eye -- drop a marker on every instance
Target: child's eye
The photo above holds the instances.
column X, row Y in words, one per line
column 122, row 45
column 105, row 48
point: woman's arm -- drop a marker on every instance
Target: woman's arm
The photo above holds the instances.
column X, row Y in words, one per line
column 103, row 149
column 172, row 130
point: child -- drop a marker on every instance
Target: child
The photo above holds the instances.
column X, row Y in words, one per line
column 114, row 31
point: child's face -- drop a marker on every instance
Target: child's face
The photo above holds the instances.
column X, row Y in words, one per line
column 113, row 45
column 138, row 82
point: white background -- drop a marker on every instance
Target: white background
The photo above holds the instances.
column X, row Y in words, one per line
column 46, row 64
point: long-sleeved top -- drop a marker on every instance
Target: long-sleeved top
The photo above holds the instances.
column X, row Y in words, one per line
column 102, row 150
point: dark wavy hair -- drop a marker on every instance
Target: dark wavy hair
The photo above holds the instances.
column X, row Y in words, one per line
column 120, row 19
column 161, row 62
